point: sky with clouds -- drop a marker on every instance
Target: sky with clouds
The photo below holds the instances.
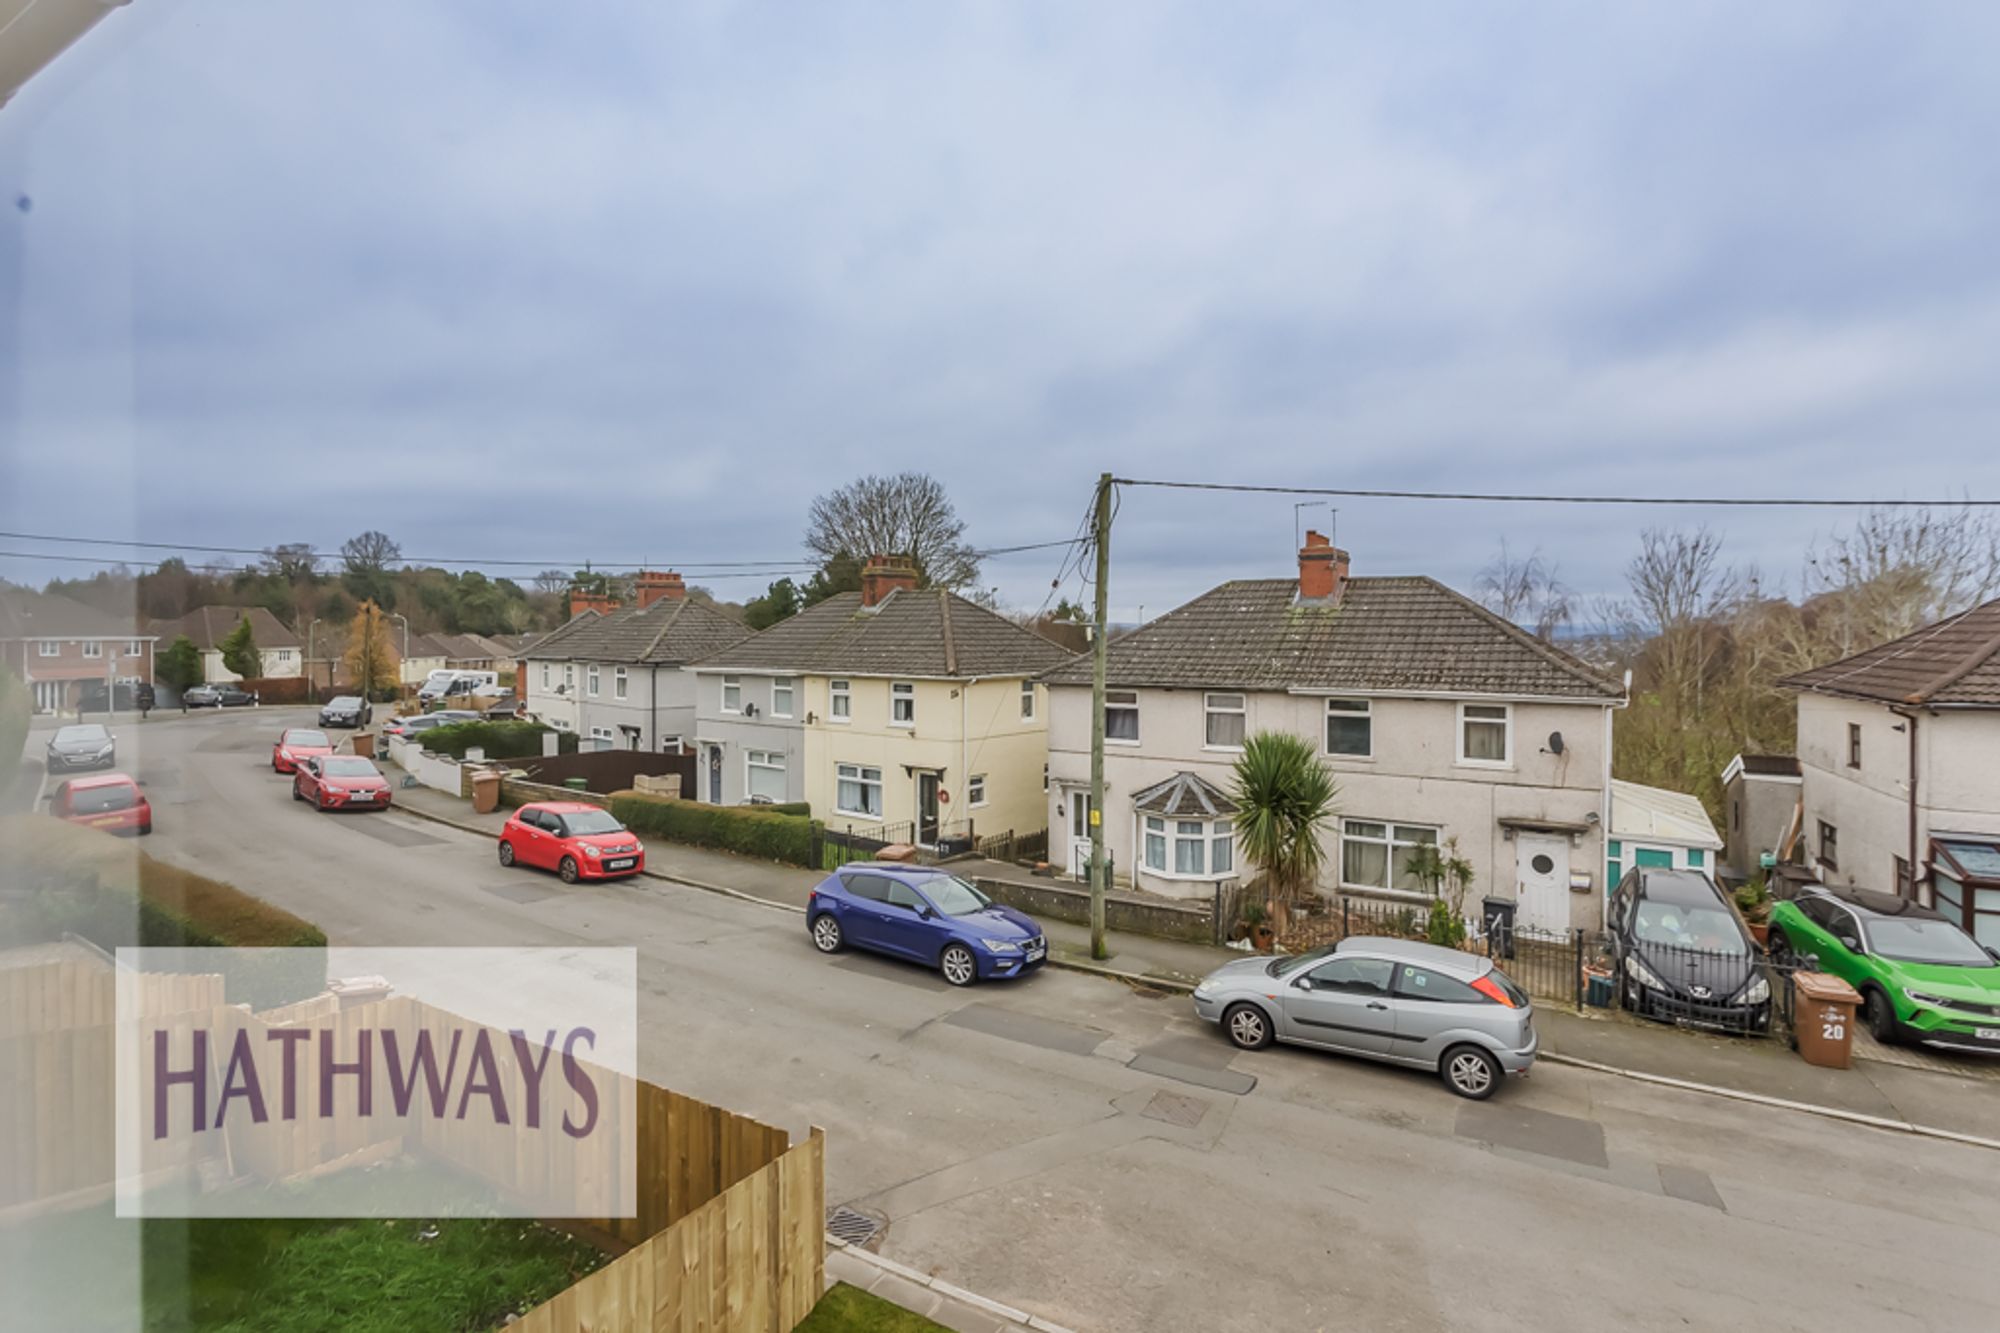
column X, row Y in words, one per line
column 635, row 282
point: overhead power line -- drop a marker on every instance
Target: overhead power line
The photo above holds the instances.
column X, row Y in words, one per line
column 1734, row 502
column 104, row 562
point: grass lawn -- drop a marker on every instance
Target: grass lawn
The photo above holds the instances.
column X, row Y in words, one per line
column 848, row 1309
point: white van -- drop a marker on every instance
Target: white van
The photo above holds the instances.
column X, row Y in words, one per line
column 450, row 683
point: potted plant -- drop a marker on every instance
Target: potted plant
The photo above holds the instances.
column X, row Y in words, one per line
column 1754, row 901
column 1256, row 927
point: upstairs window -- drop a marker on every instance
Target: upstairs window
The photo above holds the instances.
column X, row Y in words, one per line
column 1225, row 714
column 975, row 790
column 618, row 683
column 781, row 697
column 1829, row 846
column 1854, row 745
column 1121, row 716
column 902, row 705
column 1027, row 701
column 1485, row 734
column 1350, row 728
column 839, row 701
column 590, row 676
column 92, row 648
column 49, row 648
column 732, row 694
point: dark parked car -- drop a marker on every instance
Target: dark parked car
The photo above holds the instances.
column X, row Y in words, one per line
column 1683, row 955
column 217, row 696
column 926, row 915
column 74, row 749
column 349, row 710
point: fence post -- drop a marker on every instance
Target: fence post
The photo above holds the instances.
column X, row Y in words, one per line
column 1343, row 916
column 1576, row 964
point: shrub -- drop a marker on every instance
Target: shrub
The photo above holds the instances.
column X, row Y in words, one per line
column 500, row 740
column 750, row 830
column 802, row 808
column 1445, row 927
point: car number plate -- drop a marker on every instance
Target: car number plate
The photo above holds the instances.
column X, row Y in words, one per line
column 1035, row 955
column 622, row 863
column 1987, row 1034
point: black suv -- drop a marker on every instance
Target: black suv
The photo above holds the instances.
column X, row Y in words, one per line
column 1683, row 955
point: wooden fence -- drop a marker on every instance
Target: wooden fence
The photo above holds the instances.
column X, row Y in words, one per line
column 56, row 996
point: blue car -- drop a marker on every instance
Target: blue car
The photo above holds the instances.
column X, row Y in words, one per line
column 927, row 915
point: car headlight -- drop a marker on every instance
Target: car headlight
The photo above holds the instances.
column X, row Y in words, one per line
column 1204, row 990
column 1929, row 1001
column 105, row 752
column 592, row 853
column 1001, row 946
column 1642, row 974
column 1758, row 991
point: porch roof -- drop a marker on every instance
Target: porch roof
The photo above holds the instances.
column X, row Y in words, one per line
column 1184, row 796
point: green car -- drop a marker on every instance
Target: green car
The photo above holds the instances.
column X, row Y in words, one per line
column 1921, row 978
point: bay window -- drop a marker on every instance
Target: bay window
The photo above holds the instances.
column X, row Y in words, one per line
column 1189, row 848
column 1225, row 714
column 1376, row 855
column 858, row 791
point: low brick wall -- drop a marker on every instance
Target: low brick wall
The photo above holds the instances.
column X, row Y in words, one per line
column 607, row 771
column 519, row 791
column 1194, row 922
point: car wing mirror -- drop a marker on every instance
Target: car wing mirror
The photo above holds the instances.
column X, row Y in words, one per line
column 1849, row 943
column 1304, row 983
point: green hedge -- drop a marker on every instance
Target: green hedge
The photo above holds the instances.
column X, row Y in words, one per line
column 802, row 808
column 500, row 740
column 751, row 830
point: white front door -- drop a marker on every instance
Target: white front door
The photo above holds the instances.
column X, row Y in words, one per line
column 1542, row 881
column 1079, row 833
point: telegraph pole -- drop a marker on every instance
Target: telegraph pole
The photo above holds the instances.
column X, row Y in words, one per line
column 1100, row 638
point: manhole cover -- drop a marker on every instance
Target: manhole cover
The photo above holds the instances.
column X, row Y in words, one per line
column 1175, row 1109
column 856, row 1228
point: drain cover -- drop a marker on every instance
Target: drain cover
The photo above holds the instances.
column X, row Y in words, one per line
column 1175, row 1109
column 856, row 1228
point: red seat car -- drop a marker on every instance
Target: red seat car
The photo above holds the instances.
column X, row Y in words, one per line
column 110, row 801
column 341, row 782
column 575, row 840
column 296, row 744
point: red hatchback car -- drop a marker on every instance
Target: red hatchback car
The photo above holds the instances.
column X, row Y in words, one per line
column 341, row 782
column 575, row 840
column 110, row 801
column 296, row 744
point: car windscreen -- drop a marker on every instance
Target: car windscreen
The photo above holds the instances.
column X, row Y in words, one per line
column 956, row 897
column 345, row 703
column 1681, row 926
column 81, row 735
column 340, row 766
column 1914, row 940
column 307, row 739
column 584, row 822
column 1287, row 962
column 97, row 800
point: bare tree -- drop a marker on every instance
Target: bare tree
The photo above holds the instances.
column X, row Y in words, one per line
column 370, row 553
column 1526, row 591
column 908, row 514
column 1897, row 570
column 294, row 562
column 551, row 582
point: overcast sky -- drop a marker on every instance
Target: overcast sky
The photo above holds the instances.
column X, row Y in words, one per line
column 635, row 282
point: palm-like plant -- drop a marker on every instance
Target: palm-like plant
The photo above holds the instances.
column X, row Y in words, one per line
column 1284, row 798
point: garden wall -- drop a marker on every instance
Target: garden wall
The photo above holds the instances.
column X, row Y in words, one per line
column 607, row 771
column 1122, row 911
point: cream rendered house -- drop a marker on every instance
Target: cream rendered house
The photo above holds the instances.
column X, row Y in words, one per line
column 1438, row 720
column 898, row 713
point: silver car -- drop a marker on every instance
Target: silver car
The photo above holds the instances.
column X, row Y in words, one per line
column 1394, row 1000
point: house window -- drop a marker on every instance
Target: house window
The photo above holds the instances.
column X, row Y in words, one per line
column 545, row 675
column 732, row 694
column 1350, row 728
column 1121, row 716
column 902, row 705
column 601, row 734
column 765, row 780
column 590, row 675
column 858, row 791
column 975, row 790
column 1225, row 721
column 1905, row 886
column 50, row 648
column 1377, row 855
column 92, row 648
column 1189, row 848
column 134, row 647
column 1854, row 745
column 670, row 745
column 1027, row 701
column 1829, row 846
column 1485, row 734
column 569, row 678
column 839, row 701
column 618, row 683
column 781, row 696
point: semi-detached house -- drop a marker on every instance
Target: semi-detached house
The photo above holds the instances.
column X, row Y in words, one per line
column 617, row 675
column 899, row 712
column 1438, row 719
column 64, row 650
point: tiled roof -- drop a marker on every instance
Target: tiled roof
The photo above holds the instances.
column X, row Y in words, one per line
column 928, row 632
column 1184, row 796
column 667, row 633
column 1955, row 661
column 26, row 614
column 1386, row 634
column 208, row 626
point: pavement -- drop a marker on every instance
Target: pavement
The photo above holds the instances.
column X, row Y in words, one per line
column 1087, row 1153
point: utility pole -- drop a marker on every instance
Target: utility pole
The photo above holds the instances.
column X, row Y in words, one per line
column 1100, row 638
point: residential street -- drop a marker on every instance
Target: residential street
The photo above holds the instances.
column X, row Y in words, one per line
column 1084, row 1152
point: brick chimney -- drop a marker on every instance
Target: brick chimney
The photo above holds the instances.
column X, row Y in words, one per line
column 1322, row 571
column 656, row 586
column 581, row 601
column 883, row 574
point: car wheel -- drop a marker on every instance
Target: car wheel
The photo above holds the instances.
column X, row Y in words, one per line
column 506, row 852
column 319, row 801
column 1779, row 946
column 567, row 870
column 960, row 968
column 1470, row 1072
column 297, row 795
column 826, row 933
column 1247, row 1026
column 1880, row 1016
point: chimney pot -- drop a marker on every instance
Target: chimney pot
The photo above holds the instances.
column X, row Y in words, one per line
column 662, row 585
column 1322, row 570
column 883, row 574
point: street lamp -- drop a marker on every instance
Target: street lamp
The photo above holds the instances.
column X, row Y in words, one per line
column 403, row 667
column 309, row 655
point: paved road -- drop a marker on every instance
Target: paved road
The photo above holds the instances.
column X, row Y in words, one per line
column 1096, row 1156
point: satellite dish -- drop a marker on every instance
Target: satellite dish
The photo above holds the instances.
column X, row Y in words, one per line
column 1555, row 742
